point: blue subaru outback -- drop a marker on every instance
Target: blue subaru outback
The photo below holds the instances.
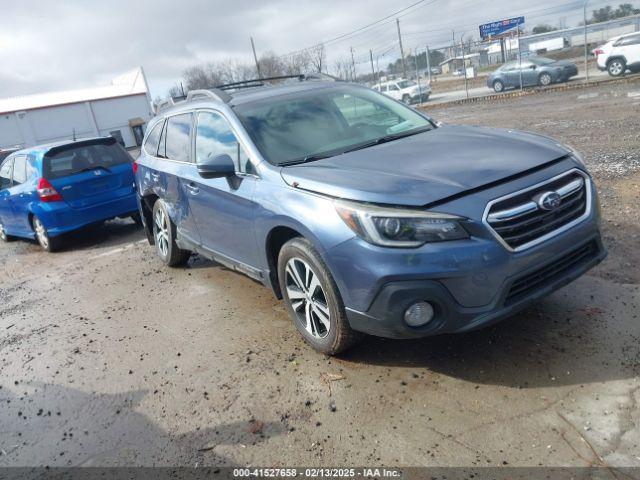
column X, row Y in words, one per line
column 49, row 190
column 363, row 214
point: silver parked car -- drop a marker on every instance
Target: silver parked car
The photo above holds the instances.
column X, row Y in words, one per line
column 535, row 71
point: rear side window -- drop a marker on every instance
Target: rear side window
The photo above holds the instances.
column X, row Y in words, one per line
column 630, row 40
column 153, row 139
column 19, row 170
column 84, row 158
column 179, row 137
column 5, row 174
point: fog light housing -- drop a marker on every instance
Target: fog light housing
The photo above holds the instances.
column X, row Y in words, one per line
column 419, row 314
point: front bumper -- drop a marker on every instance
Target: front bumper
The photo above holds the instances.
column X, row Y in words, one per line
column 385, row 316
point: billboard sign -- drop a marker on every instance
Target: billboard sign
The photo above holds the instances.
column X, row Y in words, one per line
column 500, row 28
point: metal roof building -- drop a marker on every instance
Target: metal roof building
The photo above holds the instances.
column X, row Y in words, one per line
column 121, row 109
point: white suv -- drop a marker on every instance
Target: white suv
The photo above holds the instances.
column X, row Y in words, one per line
column 406, row 91
column 619, row 54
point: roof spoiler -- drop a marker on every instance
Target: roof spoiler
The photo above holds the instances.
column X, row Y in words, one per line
column 81, row 143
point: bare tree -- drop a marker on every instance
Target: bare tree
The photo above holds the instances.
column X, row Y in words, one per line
column 342, row 68
column 317, row 58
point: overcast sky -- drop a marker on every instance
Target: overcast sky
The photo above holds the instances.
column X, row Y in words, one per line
column 64, row 44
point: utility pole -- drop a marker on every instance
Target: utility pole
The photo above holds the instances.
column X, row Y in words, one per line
column 520, row 57
column 464, row 68
column 373, row 70
column 586, row 49
column 255, row 57
column 415, row 58
column 353, row 66
column 428, row 65
column 404, row 65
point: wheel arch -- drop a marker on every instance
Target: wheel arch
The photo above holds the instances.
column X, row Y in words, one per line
column 146, row 206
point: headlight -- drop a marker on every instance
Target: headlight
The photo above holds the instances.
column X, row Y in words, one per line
column 392, row 227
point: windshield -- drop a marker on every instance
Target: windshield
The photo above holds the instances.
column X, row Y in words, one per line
column 325, row 122
column 541, row 61
column 406, row 84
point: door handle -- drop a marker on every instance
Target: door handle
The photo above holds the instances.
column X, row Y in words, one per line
column 193, row 190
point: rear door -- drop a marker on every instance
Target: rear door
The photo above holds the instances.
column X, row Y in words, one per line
column 23, row 192
column 630, row 48
column 6, row 211
column 89, row 173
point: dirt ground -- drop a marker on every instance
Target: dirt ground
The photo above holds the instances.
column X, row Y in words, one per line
column 109, row 358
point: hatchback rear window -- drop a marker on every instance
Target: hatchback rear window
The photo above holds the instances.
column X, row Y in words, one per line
column 84, row 158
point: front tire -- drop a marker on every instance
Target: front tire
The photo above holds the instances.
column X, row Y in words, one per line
column 616, row 67
column 164, row 235
column 4, row 236
column 47, row 243
column 544, row 79
column 406, row 99
column 312, row 298
column 498, row 86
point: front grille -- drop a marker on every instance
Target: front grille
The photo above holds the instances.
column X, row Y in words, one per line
column 528, row 284
column 520, row 221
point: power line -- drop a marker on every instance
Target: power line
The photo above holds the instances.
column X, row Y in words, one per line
column 345, row 36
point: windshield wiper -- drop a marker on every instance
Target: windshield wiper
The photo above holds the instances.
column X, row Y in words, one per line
column 388, row 138
column 308, row 158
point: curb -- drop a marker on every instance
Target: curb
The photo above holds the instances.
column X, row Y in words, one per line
column 532, row 91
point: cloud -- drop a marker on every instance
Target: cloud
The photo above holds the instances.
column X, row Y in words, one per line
column 61, row 45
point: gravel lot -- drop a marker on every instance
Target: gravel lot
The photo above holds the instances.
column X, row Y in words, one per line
column 108, row 358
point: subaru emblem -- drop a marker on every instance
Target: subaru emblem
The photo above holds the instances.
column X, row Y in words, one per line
column 97, row 173
column 549, row 200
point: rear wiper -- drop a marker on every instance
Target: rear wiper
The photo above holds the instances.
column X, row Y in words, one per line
column 98, row 167
column 388, row 138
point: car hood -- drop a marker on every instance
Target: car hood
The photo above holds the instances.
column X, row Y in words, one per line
column 427, row 167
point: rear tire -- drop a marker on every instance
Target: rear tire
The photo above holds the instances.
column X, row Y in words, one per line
column 48, row 244
column 616, row 67
column 164, row 235
column 544, row 79
column 312, row 298
column 498, row 86
column 406, row 99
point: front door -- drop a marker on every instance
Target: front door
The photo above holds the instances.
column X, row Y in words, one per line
column 223, row 208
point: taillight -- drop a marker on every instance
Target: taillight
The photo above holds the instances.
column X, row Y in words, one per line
column 134, row 166
column 46, row 192
column 598, row 51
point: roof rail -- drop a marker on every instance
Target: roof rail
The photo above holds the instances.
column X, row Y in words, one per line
column 260, row 82
column 213, row 94
column 168, row 103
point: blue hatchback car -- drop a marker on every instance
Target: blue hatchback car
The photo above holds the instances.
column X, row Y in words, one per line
column 49, row 190
column 363, row 214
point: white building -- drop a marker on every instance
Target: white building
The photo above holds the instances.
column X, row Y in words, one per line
column 121, row 109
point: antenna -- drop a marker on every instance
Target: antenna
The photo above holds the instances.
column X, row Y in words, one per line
column 74, row 134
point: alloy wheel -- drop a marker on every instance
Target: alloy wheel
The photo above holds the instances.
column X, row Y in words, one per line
column 161, row 232
column 41, row 233
column 3, row 233
column 615, row 68
column 545, row 79
column 307, row 298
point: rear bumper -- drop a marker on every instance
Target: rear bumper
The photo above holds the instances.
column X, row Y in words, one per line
column 385, row 316
column 59, row 217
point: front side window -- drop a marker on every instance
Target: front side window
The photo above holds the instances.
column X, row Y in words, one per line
column 5, row 174
column 19, row 170
column 178, row 142
column 406, row 84
column 326, row 122
column 393, row 87
column 215, row 137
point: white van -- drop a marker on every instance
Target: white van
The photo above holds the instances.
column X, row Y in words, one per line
column 406, row 91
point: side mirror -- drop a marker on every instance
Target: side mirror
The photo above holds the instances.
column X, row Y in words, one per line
column 216, row 166
column 533, row 67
